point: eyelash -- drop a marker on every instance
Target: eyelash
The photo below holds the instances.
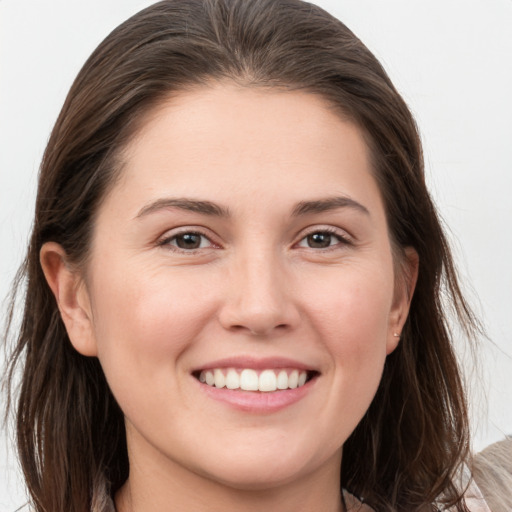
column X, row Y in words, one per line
column 167, row 241
column 342, row 240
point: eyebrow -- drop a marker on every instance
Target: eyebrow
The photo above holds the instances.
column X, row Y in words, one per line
column 330, row 203
column 212, row 209
column 191, row 205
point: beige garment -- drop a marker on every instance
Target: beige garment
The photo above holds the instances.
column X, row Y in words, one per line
column 492, row 471
column 353, row 504
column 474, row 501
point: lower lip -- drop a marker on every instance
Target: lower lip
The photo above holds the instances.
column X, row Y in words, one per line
column 257, row 401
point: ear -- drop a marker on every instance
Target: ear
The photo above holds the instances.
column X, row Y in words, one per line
column 405, row 283
column 71, row 296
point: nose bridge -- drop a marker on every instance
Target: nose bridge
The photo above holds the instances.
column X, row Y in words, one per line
column 259, row 297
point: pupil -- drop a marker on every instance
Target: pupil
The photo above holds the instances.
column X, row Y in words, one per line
column 319, row 240
column 188, row 241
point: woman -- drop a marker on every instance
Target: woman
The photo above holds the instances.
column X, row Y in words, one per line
column 234, row 278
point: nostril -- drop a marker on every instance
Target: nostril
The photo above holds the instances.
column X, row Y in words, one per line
column 264, row 329
column 259, row 314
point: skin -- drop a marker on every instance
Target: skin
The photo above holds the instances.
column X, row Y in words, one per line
column 255, row 287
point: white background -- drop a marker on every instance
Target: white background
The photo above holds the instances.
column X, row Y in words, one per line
column 451, row 60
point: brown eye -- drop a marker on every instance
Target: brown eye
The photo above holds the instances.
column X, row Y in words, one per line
column 325, row 239
column 188, row 241
column 319, row 240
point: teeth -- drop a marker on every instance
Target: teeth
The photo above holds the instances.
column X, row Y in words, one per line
column 267, row 381
column 220, row 380
column 293, row 379
column 210, row 380
column 249, row 380
column 232, row 379
column 282, row 380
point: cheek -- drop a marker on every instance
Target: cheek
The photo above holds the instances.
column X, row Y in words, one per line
column 352, row 308
column 143, row 324
column 351, row 315
column 357, row 338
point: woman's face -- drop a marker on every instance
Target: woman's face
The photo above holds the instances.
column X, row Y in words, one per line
column 246, row 245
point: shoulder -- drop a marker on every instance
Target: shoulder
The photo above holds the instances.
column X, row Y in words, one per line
column 474, row 499
column 492, row 472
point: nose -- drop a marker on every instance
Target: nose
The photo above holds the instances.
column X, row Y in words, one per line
column 260, row 297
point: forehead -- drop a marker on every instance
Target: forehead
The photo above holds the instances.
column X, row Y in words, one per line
column 234, row 142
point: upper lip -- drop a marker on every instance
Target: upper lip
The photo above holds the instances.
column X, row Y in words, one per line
column 255, row 363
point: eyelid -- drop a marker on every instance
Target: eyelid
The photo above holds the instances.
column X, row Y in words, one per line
column 345, row 238
column 165, row 239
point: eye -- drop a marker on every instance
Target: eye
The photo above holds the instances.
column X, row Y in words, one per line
column 322, row 240
column 187, row 241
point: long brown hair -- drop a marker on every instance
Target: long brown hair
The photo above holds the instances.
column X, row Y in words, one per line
column 405, row 453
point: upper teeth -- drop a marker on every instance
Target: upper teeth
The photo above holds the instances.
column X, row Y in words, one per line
column 249, row 380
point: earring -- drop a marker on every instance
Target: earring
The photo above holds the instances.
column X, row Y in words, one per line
column 396, row 335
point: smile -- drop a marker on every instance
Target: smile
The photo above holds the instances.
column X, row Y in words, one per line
column 248, row 379
column 256, row 385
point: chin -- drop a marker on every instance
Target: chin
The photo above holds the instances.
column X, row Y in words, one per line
column 252, row 478
column 260, row 470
